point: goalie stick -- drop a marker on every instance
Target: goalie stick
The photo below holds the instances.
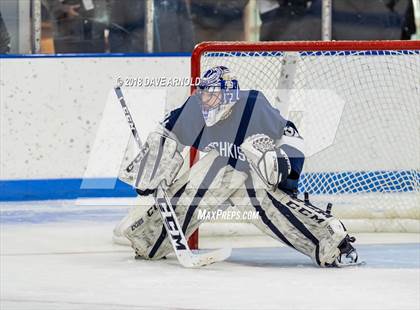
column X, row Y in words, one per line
column 133, row 128
column 170, row 221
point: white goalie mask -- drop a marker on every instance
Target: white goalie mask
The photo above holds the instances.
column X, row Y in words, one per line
column 218, row 93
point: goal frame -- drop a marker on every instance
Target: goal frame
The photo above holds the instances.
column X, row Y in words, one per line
column 294, row 46
column 286, row 46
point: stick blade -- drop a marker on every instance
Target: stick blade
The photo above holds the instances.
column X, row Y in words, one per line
column 203, row 259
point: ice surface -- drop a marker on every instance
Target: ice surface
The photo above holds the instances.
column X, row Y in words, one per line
column 59, row 256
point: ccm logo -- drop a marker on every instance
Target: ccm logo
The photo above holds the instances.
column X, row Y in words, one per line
column 128, row 117
column 306, row 211
column 174, row 230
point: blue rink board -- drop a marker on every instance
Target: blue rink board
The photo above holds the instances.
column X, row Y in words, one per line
column 314, row 183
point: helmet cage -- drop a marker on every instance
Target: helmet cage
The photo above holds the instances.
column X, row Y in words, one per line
column 218, row 92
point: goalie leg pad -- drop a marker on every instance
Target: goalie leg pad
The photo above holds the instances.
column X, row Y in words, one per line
column 161, row 162
column 301, row 226
column 143, row 203
column 208, row 184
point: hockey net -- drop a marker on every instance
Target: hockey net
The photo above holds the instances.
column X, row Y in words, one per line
column 357, row 106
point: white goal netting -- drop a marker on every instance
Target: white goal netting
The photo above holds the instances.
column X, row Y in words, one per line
column 358, row 111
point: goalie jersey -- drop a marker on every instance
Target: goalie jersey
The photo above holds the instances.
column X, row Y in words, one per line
column 252, row 114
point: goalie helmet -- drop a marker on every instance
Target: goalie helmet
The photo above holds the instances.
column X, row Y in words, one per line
column 218, row 92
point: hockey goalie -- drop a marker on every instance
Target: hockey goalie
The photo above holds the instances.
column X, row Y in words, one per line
column 253, row 160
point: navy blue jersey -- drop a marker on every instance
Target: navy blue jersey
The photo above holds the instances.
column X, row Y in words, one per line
column 252, row 114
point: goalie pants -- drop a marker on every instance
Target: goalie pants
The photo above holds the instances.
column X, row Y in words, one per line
column 211, row 183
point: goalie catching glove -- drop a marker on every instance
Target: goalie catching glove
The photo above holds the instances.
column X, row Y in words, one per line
column 270, row 164
column 161, row 163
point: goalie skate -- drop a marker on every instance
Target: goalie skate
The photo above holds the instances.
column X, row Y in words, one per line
column 348, row 255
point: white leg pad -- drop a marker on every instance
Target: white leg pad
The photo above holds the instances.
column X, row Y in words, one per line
column 304, row 227
column 206, row 185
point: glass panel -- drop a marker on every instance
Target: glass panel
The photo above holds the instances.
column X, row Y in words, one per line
column 121, row 26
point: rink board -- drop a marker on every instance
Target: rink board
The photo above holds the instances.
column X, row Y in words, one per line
column 63, row 134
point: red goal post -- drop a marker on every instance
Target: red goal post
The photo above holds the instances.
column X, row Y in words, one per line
column 240, row 55
column 297, row 46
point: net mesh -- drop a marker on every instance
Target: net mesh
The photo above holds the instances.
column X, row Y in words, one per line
column 358, row 112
